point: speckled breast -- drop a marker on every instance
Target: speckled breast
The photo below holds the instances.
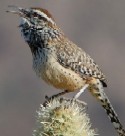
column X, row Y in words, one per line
column 46, row 67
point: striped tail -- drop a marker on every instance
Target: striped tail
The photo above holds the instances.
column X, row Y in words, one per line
column 97, row 91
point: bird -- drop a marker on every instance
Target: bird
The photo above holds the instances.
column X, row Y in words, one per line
column 60, row 62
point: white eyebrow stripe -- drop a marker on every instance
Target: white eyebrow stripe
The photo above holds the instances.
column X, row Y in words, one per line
column 45, row 16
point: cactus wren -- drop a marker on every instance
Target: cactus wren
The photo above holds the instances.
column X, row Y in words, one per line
column 60, row 62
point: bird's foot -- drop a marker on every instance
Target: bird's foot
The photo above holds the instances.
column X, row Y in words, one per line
column 54, row 96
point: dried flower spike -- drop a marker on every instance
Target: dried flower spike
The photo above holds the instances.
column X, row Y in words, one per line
column 63, row 117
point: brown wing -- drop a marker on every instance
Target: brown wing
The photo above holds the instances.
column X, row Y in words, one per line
column 73, row 57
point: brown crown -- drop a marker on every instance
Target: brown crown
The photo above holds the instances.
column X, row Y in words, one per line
column 44, row 11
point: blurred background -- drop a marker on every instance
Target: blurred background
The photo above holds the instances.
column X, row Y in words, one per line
column 98, row 26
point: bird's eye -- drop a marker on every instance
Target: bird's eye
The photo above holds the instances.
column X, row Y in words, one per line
column 41, row 18
column 35, row 14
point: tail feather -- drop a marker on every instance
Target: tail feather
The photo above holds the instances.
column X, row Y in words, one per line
column 96, row 89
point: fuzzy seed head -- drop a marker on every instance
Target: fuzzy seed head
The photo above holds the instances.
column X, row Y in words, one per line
column 63, row 117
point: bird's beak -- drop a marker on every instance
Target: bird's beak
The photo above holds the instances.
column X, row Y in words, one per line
column 22, row 12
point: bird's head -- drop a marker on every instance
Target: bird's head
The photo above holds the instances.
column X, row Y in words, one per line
column 33, row 17
column 37, row 26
